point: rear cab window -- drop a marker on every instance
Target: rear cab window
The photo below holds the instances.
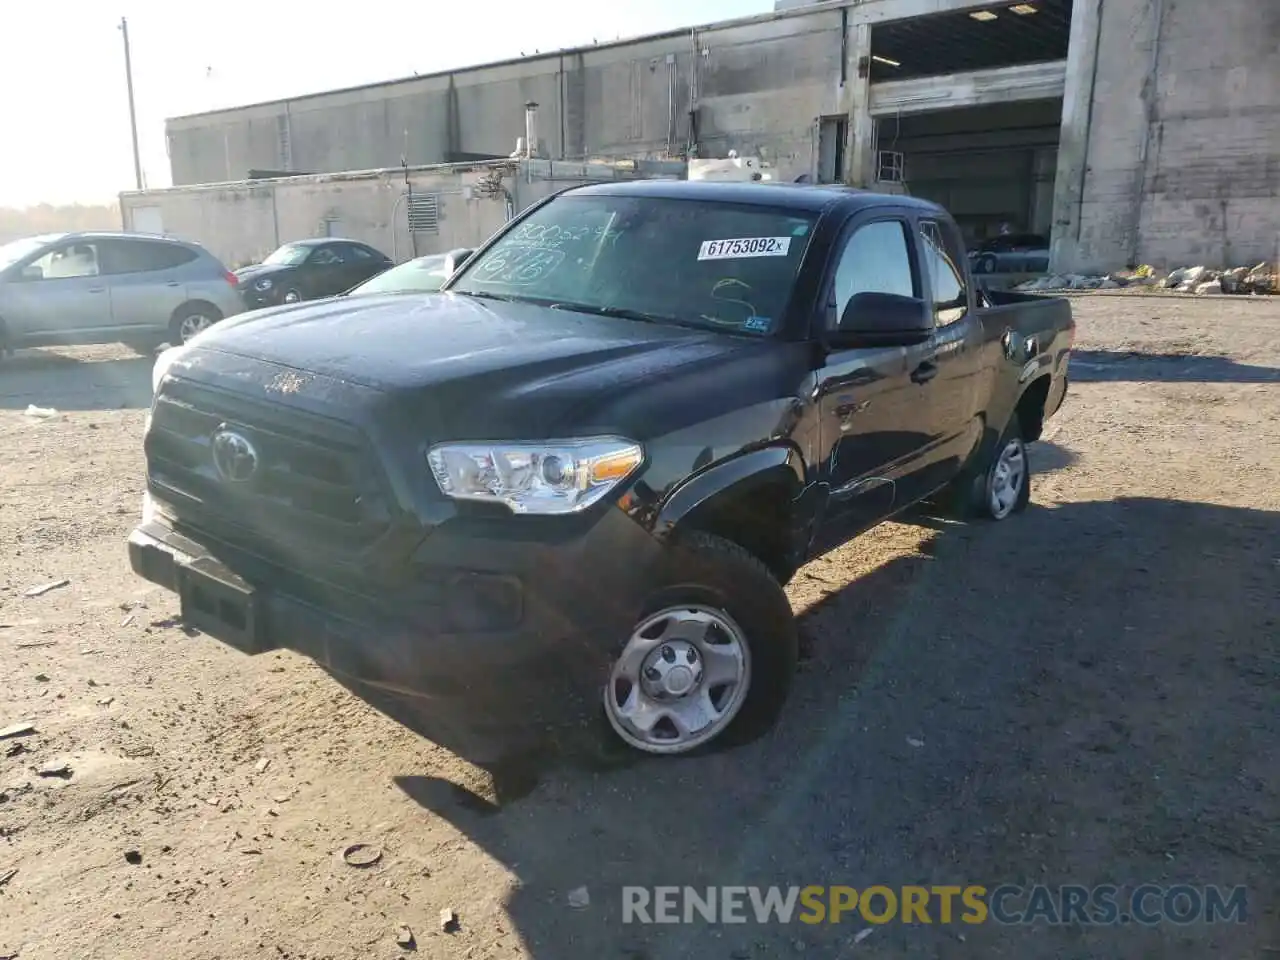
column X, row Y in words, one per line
column 943, row 256
column 706, row 264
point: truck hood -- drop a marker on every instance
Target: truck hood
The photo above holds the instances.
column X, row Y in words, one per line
column 454, row 365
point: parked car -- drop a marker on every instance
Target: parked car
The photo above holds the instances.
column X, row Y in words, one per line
column 421, row 275
column 1011, row 253
column 585, row 470
column 309, row 270
column 71, row 288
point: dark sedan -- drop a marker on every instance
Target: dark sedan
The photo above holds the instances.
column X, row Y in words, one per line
column 309, row 270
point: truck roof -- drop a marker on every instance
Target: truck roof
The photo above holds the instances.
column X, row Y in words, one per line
column 802, row 196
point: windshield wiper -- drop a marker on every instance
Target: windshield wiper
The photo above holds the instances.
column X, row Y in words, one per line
column 622, row 313
column 485, row 295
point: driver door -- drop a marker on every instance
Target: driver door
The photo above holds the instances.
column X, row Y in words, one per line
column 875, row 417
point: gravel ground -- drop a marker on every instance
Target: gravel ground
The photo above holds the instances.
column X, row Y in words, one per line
column 1087, row 694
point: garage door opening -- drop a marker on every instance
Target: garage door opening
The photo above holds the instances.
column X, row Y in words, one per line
column 992, row 167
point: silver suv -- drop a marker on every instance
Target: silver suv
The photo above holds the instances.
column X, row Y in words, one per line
column 104, row 287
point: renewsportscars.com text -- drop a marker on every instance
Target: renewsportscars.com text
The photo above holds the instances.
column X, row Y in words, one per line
column 1007, row 904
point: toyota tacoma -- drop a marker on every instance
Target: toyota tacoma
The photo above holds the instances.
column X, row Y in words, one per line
column 576, row 480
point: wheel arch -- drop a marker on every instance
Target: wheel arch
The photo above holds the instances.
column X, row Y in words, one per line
column 754, row 499
column 1030, row 407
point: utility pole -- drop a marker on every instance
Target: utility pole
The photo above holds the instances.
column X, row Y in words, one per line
column 133, row 115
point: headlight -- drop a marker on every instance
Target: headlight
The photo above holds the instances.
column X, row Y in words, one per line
column 163, row 363
column 263, row 284
column 556, row 477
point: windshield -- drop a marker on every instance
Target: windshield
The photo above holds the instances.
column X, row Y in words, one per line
column 424, row 275
column 11, row 253
column 290, row 255
column 690, row 262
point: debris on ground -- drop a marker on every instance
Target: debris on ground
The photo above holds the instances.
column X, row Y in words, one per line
column 1261, row 279
column 262, row 765
column 31, row 644
column 404, row 938
column 580, row 898
column 448, row 921
column 7, row 875
column 361, row 855
column 55, row 768
column 863, row 934
column 41, row 413
column 132, row 856
column 18, row 730
column 16, row 749
column 915, row 742
column 44, row 588
column 42, row 678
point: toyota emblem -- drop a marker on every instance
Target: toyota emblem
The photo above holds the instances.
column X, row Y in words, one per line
column 234, row 457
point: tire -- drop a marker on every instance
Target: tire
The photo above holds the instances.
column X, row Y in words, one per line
column 292, row 295
column 727, row 601
column 975, row 492
column 191, row 320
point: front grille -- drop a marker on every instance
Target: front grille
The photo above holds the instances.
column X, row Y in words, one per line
column 316, row 486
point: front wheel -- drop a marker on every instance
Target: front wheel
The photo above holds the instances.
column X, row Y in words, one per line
column 293, row 295
column 711, row 658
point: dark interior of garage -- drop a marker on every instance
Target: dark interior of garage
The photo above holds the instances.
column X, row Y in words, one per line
column 992, row 165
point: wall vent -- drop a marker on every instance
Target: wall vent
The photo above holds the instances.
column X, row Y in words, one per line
column 424, row 213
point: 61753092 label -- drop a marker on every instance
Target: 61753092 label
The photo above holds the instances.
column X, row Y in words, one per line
column 744, row 247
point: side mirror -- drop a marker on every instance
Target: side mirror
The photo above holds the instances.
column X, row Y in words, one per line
column 883, row 320
column 455, row 260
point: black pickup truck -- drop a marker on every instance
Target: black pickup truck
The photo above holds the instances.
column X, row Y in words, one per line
column 582, row 473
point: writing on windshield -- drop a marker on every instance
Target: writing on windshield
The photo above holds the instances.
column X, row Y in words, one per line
column 685, row 261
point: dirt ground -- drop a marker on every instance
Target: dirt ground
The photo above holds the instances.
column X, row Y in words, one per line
column 1087, row 694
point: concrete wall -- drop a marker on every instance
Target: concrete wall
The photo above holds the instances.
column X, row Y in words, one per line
column 243, row 222
column 1179, row 162
column 757, row 85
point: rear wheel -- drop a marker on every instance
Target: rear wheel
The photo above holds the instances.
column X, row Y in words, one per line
column 711, row 658
column 192, row 320
column 1000, row 486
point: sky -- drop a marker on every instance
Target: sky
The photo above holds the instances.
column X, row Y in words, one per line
column 66, row 123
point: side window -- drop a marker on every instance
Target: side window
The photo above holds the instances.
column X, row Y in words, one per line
column 357, row 254
column 946, row 276
column 876, row 259
column 326, row 257
column 143, row 256
column 78, row 259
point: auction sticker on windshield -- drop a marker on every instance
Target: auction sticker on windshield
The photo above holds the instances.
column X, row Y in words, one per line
column 744, row 247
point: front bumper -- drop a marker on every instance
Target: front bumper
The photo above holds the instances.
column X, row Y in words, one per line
column 493, row 623
column 255, row 299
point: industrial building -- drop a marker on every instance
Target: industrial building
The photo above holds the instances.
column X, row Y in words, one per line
column 1132, row 131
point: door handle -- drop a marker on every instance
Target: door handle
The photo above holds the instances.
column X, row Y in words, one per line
column 97, row 289
column 173, row 283
column 925, row 372
column 847, row 405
